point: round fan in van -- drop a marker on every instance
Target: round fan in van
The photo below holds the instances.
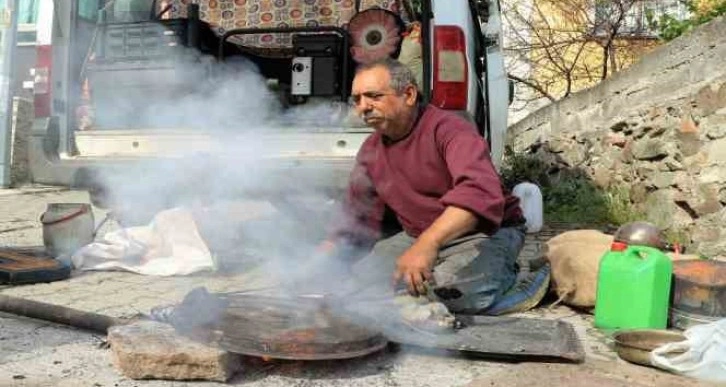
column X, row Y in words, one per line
column 375, row 34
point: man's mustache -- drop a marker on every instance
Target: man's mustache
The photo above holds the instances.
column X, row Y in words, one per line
column 370, row 115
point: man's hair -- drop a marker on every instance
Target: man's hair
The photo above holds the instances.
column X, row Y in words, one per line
column 401, row 76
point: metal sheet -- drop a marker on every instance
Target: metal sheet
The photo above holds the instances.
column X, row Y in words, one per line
column 303, row 328
column 502, row 337
column 293, row 328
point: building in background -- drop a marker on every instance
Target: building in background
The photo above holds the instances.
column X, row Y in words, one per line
column 558, row 47
column 25, row 53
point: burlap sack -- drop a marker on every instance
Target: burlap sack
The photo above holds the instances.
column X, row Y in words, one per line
column 575, row 259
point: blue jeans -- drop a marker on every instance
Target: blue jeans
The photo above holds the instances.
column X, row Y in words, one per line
column 470, row 273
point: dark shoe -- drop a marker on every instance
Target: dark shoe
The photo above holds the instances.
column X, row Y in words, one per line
column 526, row 293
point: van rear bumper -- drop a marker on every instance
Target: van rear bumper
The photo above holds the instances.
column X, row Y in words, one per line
column 289, row 171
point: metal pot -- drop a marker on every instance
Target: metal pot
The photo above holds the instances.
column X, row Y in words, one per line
column 641, row 234
column 699, row 292
column 67, row 227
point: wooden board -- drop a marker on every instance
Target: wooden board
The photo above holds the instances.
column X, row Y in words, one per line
column 25, row 267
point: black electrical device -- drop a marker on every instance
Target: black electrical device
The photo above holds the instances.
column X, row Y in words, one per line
column 325, row 53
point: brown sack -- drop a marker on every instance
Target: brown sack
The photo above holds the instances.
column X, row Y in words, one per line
column 581, row 236
column 575, row 259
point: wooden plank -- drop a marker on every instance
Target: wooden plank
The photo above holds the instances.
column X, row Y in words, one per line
column 24, row 267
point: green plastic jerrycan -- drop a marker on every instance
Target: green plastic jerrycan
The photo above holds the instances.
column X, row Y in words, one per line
column 633, row 288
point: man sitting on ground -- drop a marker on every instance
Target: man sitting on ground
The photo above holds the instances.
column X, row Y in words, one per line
column 431, row 169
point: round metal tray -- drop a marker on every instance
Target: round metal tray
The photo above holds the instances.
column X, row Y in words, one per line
column 293, row 328
column 635, row 345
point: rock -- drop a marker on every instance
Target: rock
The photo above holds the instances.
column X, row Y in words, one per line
column 574, row 155
column 568, row 151
column 662, row 179
column 712, row 174
column 649, row 149
column 525, row 140
column 558, row 144
column 689, row 143
column 660, row 208
column 627, row 155
column 616, row 139
column 694, row 163
column 684, row 181
column 673, row 111
column 708, row 237
column 714, row 127
column 712, row 248
column 641, row 131
column 646, row 170
column 657, row 132
column 722, row 195
column 705, row 201
column 152, row 350
column 654, row 112
column 704, row 233
column 681, row 219
column 716, row 151
column 602, row 177
column 672, row 164
column 710, row 98
column 663, row 167
column 658, row 126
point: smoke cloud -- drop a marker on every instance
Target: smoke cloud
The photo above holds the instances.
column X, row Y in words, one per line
column 247, row 215
column 231, row 127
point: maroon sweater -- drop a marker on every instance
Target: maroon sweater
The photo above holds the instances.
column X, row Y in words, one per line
column 443, row 162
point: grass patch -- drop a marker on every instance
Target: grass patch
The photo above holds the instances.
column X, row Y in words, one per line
column 570, row 195
column 679, row 237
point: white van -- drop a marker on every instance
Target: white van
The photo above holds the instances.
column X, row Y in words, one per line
column 112, row 51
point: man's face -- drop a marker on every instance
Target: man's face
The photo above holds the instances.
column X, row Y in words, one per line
column 382, row 108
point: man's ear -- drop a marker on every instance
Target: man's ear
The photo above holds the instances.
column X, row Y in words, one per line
column 411, row 95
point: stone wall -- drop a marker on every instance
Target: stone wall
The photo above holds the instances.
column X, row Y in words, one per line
column 657, row 128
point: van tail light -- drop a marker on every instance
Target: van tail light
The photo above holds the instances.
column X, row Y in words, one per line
column 450, row 86
column 41, row 81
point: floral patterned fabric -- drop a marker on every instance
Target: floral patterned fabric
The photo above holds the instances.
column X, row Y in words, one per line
column 225, row 15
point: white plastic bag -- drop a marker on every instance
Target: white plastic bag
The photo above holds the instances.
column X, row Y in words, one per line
column 170, row 245
column 530, row 200
column 702, row 355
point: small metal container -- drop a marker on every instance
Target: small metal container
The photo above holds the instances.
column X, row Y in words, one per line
column 67, row 227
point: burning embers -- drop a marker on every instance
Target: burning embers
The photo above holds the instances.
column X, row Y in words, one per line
column 282, row 327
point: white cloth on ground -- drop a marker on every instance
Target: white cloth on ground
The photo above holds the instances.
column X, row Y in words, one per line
column 169, row 245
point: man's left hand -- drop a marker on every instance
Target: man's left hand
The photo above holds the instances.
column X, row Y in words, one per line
column 414, row 267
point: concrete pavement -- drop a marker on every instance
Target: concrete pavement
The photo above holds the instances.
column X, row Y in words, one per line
column 37, row 353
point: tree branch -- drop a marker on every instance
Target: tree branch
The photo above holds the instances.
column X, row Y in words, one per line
column 533, row 86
